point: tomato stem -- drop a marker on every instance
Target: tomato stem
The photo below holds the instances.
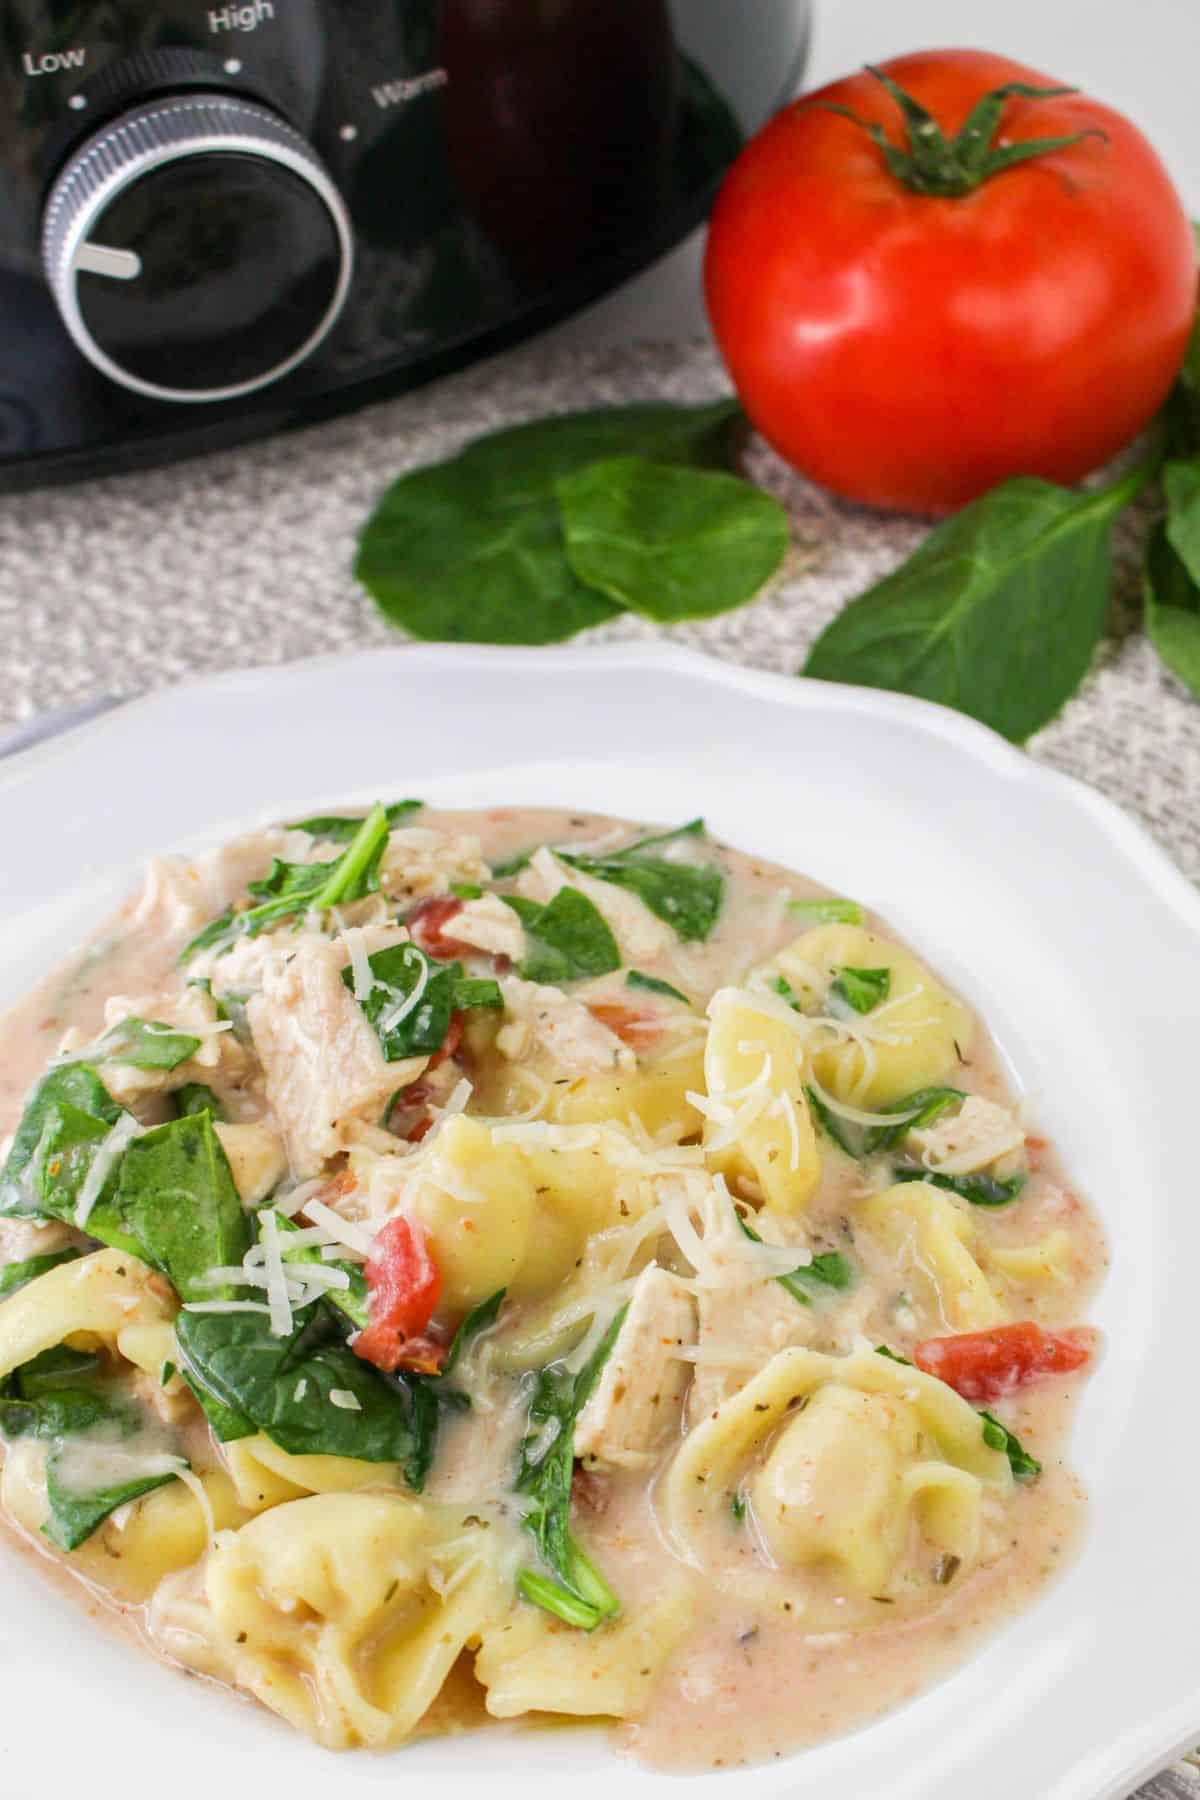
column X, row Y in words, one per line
column 947, row 168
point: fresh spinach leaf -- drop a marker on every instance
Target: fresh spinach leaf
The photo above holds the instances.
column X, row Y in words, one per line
column 176, row 1197
column 827, row 912
column 283, row 1387
column 670, row 543
column 858, row 990
column 74, row 1516
column 404, row 970
column 567, row 939
column 1181, row 485
column 289, row 888
column 578, row 1592
column 652, row 985
column 17, row 1275
column 980, row 1190
column 145, row 1044
column 472, row 550
column 1172, row 609
column 998, row 1437
column 74, row 1084
column 687, row 896
column 915, row 1111
column 338, row 828
column 998, row 612
column 196, row 1097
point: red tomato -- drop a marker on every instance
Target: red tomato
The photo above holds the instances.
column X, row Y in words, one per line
column 427, row 922
column 637, row 1029
column 451, row 1041
column 986, row 1365
column 404, row 1283
column 909, row 349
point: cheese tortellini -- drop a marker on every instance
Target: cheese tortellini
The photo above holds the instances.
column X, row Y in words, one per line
column 344, row 1613
column 928, row 1236
column 838, row 1457
column 758, row 1123
column 913, row 1040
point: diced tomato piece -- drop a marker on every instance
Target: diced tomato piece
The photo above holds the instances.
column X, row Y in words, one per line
column 421, row 1355
column 451, row 1041
column 404, row 1283
column 641, row 1031
column 427, row 922
column 986, row 1365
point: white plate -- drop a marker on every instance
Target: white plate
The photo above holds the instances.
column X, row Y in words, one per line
column 1053, row 912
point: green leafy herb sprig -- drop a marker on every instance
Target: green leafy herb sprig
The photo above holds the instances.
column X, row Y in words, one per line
column 530, row 535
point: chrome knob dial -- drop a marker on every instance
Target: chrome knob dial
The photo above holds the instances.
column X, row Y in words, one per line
column 197, row 248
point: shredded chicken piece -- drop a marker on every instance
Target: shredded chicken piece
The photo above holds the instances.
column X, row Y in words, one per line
column 637, row 1403
column 640, row 935
column 979, row 1134
column 490, row 925
column 545, row 1018
column 419, row 861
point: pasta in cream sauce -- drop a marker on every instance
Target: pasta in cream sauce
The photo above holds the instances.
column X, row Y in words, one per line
column 489, row 1265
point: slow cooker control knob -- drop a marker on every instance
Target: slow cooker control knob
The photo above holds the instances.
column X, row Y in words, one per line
column 197, row 248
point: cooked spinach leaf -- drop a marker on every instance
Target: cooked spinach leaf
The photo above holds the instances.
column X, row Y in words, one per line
column 567, row 939
column 835, row 1129
column 915, row 1111
column 466, row 890
column 177, row 1199
column 196, row 1097
column 308, row 1392
column 289, row 888
column 652, row 985
column 56, row 1397
column 71, row 1143
column 670, row 543
column 999, row 611
column 480, row 1318
column 408, row 1026
column 57, row 1393
column 473, row 550
column 827, row 912
column 145, row 1044
column 338, row 828
column 830, row 1269
column 74, row 1516
column 75, row 1084
column 858, row 990
column 354, row 1301
column 998, row 1437
column 687, row 896
column 17, row 1275
column 980, row 1190
column 576, row 1591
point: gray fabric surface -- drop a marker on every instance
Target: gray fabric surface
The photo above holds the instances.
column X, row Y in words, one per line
column 242, row 558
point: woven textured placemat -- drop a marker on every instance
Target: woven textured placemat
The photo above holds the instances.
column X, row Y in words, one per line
column 244, row 558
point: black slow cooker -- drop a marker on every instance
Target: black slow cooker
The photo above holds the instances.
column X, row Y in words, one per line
column 218, row 217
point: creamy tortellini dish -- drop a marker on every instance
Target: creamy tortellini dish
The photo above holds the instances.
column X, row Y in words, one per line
column 467, row 1266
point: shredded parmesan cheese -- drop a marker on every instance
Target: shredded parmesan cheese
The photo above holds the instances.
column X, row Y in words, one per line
column 107, row 1153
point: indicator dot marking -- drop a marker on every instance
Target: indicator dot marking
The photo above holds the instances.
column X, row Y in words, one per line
column 348, row 133
column 77, row 102
column 233, row 66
